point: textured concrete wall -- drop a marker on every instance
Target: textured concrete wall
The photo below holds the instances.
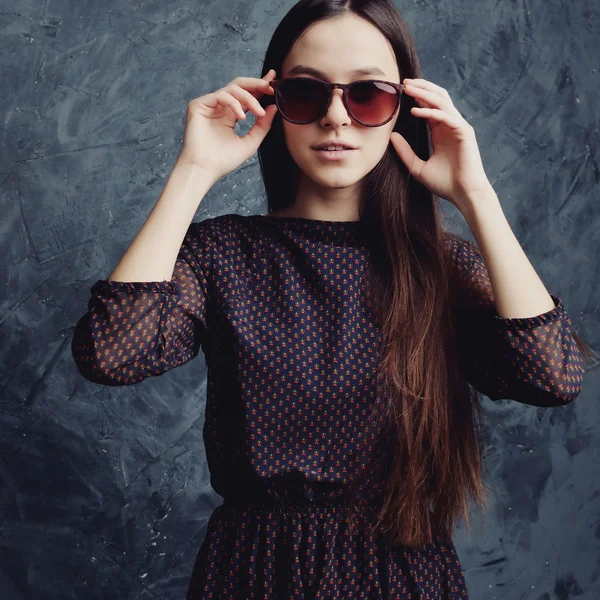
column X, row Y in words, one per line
column 104, row 491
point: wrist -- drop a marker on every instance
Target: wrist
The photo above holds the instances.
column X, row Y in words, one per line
column 184, row 163
column 475, row 202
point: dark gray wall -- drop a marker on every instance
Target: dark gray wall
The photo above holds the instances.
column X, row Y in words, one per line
column 104, row 491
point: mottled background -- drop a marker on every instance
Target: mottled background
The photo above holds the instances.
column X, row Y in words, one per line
column 104, row 492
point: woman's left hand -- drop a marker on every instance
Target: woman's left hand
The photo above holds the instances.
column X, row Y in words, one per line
column 454, row 171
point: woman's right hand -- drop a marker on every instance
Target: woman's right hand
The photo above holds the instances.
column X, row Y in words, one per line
column 209, row 140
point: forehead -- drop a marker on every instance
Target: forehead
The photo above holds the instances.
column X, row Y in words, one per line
column 325, row 48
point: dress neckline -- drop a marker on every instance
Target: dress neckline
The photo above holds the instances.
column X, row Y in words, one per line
column 318, row 230
column 309, row 222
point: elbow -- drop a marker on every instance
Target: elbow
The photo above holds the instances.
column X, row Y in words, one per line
column 88, row 368
column 99, row 377
column 566, row 386
column 112, row 377
column 553, row 397
column 534, row 394
column 96, row 367
column 565, row 394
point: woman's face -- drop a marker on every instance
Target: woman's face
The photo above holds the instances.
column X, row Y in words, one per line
column 336, row 47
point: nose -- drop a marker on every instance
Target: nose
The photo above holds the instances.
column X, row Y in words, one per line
column 336, row 111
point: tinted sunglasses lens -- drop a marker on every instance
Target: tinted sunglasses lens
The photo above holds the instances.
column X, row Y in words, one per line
column 302, row 100
column 372, row 102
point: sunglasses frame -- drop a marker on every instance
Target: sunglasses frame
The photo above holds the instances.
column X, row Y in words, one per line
column 399, row 87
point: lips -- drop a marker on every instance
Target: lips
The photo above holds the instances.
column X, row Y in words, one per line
column 336, row 155
column 335, row 146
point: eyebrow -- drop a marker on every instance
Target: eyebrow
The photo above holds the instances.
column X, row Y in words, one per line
column 316, row 73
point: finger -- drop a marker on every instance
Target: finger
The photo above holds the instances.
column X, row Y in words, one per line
column 257, row 87
column 251, row 83
column 254, row 138
column 434, row 99
column 247, row 99
column 413, row 163
column 428, row 85
column 233, row 103
column 270, row 75
column 257, row 91
column 441, row 116
column 261, row 127
column 420, row 101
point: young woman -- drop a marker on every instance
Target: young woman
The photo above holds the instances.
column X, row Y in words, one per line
column 346, row 333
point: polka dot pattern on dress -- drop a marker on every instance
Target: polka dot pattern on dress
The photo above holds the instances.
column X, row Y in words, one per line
column 276, row 305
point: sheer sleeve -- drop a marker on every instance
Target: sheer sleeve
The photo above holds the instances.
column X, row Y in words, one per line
column 135, row 330
column 532, row 360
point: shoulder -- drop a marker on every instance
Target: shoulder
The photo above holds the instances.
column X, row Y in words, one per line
column 223, row 235
column 213, row 230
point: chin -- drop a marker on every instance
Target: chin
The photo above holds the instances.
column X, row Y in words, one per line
column 335, row 180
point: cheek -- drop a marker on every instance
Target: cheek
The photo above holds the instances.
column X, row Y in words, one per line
column 296, row 135
column 299, row 140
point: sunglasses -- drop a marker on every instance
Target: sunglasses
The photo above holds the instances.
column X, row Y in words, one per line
column 370, row 102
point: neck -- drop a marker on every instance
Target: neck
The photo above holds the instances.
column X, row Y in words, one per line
column 326, row 204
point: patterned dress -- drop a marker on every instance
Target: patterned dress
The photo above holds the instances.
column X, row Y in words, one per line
column 291, row 349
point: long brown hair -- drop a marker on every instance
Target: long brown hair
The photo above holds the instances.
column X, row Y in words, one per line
column 428, row 418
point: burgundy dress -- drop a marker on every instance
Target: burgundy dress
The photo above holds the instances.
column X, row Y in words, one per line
column 291, row 350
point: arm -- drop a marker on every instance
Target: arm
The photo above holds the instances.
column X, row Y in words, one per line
column 533, row 359
column 134, row 330
column 517, row 288
column 150, row 315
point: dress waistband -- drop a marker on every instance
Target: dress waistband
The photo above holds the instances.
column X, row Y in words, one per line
column 303, row 506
